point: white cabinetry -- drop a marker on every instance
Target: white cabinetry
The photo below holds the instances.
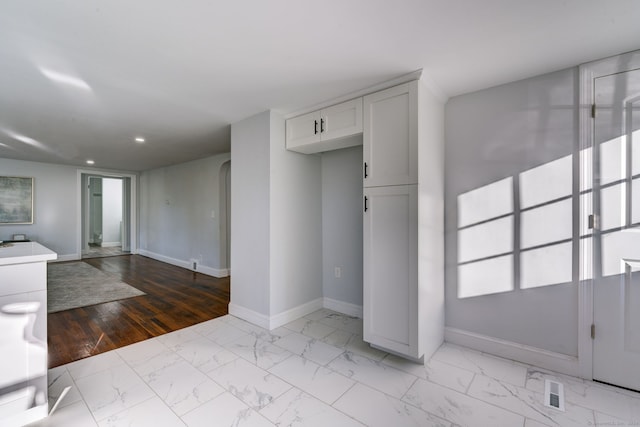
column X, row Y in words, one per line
column 390, row 268
column 391, row 136
column 327, row 129
column 391, row 297
column 23, row 322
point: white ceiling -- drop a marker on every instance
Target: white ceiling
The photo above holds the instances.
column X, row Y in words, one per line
column 80, row 79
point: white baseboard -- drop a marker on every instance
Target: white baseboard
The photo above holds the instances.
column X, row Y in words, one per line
column 342, row 307
column 295, row 313
column 209, row 271
column 110, row 244
column 553, row 361
column 67, row 257
column 249, row 315
column 168, row 260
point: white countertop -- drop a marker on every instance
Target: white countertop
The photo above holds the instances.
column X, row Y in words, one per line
column 24, row 252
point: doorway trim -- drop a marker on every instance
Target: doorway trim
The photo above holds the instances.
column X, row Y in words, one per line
column 132, row 206
column 588, row 73
column 224, row 209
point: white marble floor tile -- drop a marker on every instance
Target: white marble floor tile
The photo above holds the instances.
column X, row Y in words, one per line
column 148, row 356
column 319, row 314
column 309, row 348
column 258, row 352
column 480, row 363
column 151, row 413
column 374, row 408
column 435, row 371
column 219, row 330
column 75, row 415
column 114, row 390
column 225, row 410
column 339, row 321
column 180, row 336
column 357, row 345
column 254, row 386
column 354, row 343
column 338, row 338
column 316, row 380
column 374, row 374
column 182, row 386
column 297, row 408
column 94, row 364
column 257, row 331
column 459, row 408
column 154, row 362
column 528, row 403
column 310, row 328
column 58, row 379
column 204, row 354
column 599, row 397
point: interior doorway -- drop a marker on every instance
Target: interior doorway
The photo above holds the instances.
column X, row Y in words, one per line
column 225, row 216
column 106, row 215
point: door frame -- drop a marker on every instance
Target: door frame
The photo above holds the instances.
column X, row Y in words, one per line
column 133, row 211
column 587, row 74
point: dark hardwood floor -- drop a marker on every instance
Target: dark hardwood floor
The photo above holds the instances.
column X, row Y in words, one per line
column 175, row 298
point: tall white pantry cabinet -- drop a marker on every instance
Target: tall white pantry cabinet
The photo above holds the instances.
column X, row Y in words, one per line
column 403, row 239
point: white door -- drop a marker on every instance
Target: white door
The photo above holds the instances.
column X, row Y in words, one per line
column 390, row 136
column 390, row 273
column 616, row 346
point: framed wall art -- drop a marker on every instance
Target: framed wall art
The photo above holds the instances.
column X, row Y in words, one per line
column 16, row 200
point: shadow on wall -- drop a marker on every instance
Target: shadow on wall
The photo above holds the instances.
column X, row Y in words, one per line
column 518, row 232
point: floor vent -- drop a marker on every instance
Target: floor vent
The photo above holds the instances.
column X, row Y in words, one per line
column 554, row 395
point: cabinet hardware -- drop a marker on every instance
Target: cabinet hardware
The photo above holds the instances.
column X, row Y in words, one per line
column 593, row 221
column 365, row 169
column 366, row 203
column 593, row 331
column 321, row 125
column 315, row 127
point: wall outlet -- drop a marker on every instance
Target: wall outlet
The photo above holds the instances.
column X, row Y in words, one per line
column 337, row 271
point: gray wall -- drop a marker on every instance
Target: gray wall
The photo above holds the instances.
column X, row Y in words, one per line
column 342, row 224
column 276, row 241
column 296, row 224
column 55, row 205
column 176, row 203
column 250, row 254
column 495, row 134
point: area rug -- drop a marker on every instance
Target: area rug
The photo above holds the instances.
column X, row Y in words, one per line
column 77, row 284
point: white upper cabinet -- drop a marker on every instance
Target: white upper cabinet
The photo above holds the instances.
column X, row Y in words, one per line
column 390, row 136
column 327, row 129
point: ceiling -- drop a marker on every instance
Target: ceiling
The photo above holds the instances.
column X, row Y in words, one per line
column 81, row 79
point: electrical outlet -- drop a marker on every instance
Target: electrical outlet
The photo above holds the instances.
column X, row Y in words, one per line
column 337, row 271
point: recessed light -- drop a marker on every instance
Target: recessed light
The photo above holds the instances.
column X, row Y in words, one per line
column 139, row 139
column 90, row 162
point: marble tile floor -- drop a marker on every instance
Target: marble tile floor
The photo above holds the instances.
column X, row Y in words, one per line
column 315, row 371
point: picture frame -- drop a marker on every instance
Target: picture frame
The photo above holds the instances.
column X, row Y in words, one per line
column 16, row 200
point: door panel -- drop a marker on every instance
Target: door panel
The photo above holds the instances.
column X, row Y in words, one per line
column 616, row 347
column 390, row 268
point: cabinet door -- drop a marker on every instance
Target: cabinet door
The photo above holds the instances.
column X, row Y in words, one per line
column 303, row 130
column 390, row 136
column 342, row 120
column 391, row 268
